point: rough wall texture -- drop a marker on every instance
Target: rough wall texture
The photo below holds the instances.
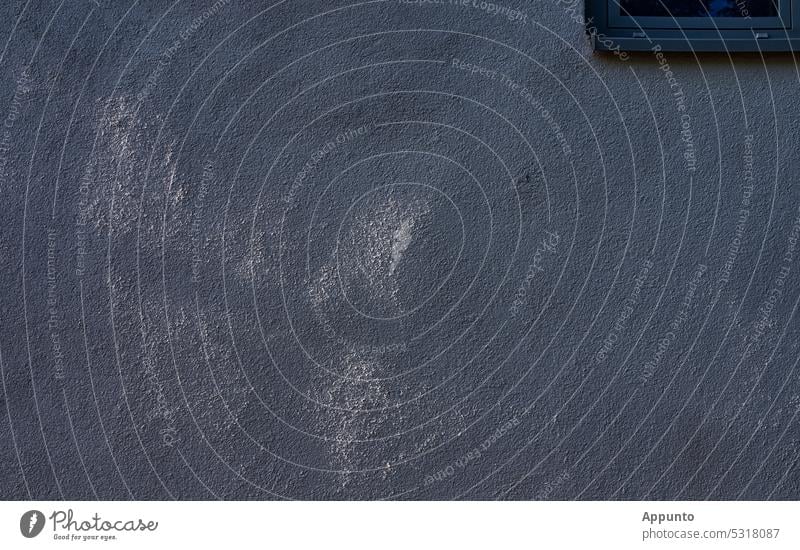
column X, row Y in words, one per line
column 390, row 249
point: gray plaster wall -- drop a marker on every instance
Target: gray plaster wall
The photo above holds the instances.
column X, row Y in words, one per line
column 414, row 250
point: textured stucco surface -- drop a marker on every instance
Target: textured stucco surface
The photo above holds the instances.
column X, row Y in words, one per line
column 337, row 250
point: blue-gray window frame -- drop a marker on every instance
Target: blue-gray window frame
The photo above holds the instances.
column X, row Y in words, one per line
column 612, row 31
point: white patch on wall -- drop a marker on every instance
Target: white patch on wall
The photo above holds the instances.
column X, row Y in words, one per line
column 372, row 249
column 123, row 144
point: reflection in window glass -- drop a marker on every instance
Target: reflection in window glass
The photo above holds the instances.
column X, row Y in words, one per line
column 699, row 8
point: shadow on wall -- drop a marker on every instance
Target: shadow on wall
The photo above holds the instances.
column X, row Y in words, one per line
column 773, row 59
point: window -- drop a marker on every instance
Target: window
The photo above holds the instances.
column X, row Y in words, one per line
column 727, row 9
column 699, row 25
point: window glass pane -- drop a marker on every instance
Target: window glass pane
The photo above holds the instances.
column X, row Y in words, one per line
column 699, row 8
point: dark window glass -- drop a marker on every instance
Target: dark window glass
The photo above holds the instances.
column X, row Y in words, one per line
column 699, row 8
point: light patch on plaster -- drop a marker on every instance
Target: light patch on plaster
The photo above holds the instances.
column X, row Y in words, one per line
column 254, row 261
column 371, row 253
column 402, row 238
column 234, row 389
column 119, row 164
column 351, row 426
column 372, row 250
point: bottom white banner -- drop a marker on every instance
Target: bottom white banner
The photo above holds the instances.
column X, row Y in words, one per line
column 355, row 525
